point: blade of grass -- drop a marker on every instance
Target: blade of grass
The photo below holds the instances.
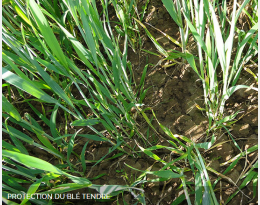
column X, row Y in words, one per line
column 47, row 32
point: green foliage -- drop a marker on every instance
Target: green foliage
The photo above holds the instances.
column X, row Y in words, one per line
column 217, row 47
column 45, row 58
column 66, row 62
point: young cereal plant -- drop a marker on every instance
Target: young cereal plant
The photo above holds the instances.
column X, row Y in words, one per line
column 214, row 49
column 36, row 65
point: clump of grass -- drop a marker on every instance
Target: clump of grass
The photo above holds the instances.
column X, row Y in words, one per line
column 47, row 51
column 126, row 11
column 217, row 46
